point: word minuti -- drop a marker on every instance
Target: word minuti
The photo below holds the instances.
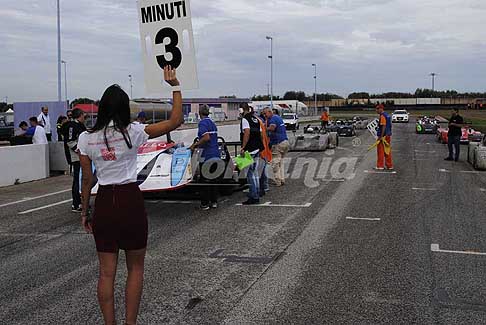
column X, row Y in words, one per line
column 164, row 11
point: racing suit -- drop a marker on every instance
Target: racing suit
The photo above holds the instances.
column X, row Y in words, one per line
column 384, row 159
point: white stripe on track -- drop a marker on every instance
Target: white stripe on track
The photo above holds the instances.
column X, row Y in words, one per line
column 364, row 219
column 33, row 198
column 45, row 207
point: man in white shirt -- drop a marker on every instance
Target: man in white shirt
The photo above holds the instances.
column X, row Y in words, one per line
column 45, row 121
column 39, row 135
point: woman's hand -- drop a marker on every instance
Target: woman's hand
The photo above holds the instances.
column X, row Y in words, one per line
column 86, row 225
column 170, row 76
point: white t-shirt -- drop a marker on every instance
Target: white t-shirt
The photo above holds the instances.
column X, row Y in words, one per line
column 45, row 121
column 118, row 165
column 39, row 135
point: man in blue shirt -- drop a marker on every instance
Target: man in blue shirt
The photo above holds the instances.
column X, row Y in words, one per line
column 279, row 143
column 210, row 158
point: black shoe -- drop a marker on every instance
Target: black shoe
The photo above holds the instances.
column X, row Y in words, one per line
column 449, row 159
column 251, row 202
column 77, row 210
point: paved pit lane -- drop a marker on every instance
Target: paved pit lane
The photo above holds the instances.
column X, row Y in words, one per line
column 362, row 248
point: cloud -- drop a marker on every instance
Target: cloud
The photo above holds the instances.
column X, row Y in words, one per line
column 374, row 46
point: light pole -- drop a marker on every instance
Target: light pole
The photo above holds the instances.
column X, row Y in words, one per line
column 433, row 74
column 65, row 79
column 131, row 86
column 271, row 69
column 315, row 87
column 59, row 77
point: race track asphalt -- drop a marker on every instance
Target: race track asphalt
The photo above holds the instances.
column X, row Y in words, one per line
column 374, row 248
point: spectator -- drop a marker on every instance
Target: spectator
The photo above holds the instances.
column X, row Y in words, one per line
column 69, row 114
column 141, row 118
column 279, row 143
column 210, row 158
column 61, row 120
column 251, row 141
column 384, row 133
column 45, row 121
column 120, row 220
column 454, row 135
column 23, row 127
column 74, row 129
column 324, row 118
column 36, row 132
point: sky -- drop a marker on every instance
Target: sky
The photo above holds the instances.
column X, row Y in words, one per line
column 358, row 45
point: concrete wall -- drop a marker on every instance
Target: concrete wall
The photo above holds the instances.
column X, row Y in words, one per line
column 23, row 164
column 57, row 157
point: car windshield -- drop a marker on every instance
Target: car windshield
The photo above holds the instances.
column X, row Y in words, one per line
column 288, row 116
column 400, row 112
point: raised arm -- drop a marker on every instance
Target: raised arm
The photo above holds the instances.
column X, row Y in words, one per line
column 176, row 116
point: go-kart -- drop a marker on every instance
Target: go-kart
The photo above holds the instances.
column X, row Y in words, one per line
column 426, row 125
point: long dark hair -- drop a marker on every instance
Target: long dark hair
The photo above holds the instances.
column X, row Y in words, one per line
column 114, row 106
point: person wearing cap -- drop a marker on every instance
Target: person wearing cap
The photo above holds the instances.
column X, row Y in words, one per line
column 210, row 158
column 384, row 133
column 141, row 118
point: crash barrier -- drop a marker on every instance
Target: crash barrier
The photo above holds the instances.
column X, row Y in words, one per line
column 22, row 164
column 476, row 155
column 372, row 127
column 57, row 157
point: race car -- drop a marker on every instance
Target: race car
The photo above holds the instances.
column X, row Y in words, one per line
column 426, row 125
column 468, row 135
column 342, row 128
column 163, row 165
column 313, row 139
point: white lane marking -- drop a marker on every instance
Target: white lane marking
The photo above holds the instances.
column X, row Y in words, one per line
column 34, row 198
column 436, row 248
column 423, row 189
column 425, row 151
column 442, row 170
column 379, row 172
column 269, row 204
column 482, row 189
column 364, row 219
column 45, row 207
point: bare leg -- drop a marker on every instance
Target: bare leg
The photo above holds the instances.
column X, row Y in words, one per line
column 106, row 283
column 134, row 286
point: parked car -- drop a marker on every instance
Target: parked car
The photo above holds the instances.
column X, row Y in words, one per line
column 291, row 121
column 400, row 116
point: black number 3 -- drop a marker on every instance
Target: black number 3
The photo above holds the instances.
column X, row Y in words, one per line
column 169, row 48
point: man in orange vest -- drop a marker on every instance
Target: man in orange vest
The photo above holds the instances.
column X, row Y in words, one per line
column 266, row 156
column 384, row 134
column 324, row 118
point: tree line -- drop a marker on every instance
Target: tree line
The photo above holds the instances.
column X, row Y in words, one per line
column 297, row 95
column 419, row 93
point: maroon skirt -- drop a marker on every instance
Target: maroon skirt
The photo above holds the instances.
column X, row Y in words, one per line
column 120, row 219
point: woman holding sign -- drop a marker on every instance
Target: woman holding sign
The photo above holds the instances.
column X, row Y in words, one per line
column 120, row 220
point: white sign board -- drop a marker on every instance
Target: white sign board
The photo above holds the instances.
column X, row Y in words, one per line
column 373, row 127
column 167, row 39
